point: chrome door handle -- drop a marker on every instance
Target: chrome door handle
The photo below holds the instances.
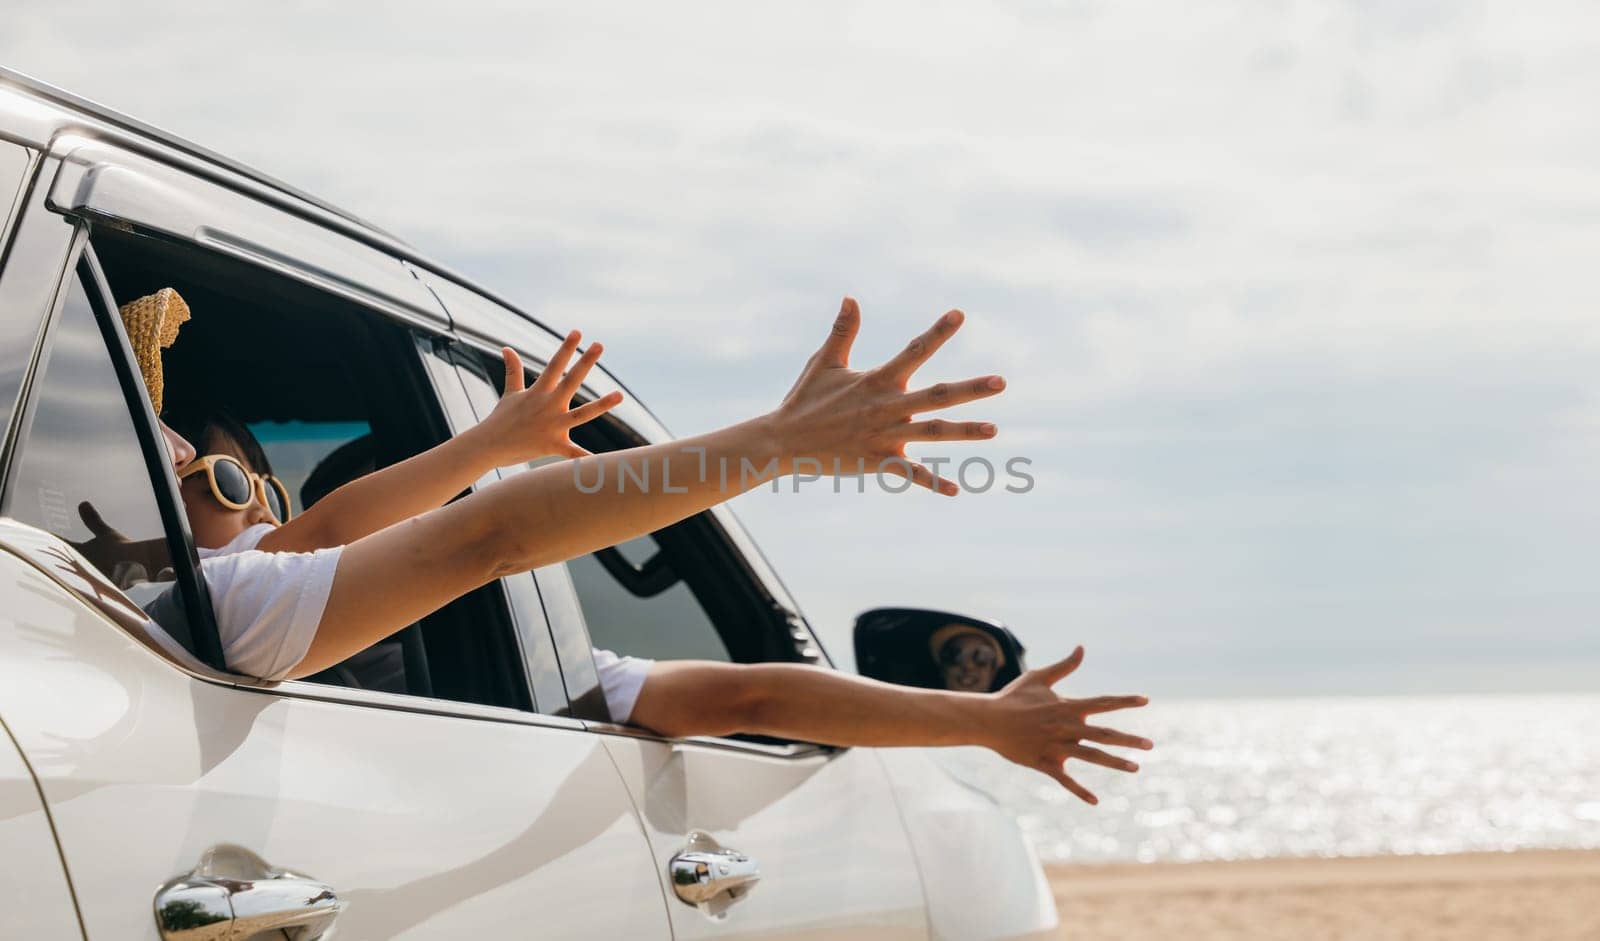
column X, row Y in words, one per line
column 233, row 894
column 711, row 877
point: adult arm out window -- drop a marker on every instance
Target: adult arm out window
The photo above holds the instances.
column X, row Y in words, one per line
column 676, row 594
column 684, row 592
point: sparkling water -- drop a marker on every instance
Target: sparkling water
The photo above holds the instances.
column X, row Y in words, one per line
column 1253, row 778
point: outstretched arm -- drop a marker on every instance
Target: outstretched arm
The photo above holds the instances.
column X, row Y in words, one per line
column 833, row 418
column 526, row 424
column 1025, row 722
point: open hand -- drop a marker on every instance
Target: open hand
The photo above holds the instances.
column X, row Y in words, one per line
column 1037, row 729
column 534, row 422
column 859, row 422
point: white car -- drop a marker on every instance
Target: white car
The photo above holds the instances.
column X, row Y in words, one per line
column 460, row 780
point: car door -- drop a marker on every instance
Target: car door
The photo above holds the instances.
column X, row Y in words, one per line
column 37, row 900
column 820, row 824
column 424, row 821
column 179, row 790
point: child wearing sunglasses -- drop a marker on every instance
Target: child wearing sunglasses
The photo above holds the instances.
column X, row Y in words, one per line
column 235, row 503
column 230, row 495
column 270, row 573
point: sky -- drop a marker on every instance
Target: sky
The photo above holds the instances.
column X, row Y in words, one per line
column 1297, row 301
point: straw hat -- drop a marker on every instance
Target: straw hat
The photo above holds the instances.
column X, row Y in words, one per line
column 153, row 322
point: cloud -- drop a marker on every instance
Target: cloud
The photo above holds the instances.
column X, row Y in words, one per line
column 1294, row 300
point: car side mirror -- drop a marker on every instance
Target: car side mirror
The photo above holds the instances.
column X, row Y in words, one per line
column 936, row 650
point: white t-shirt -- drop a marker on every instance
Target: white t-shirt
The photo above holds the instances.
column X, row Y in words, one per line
column 268, row 604
column 248, row 539
column 621, row 678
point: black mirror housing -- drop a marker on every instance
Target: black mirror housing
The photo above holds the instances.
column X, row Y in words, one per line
column 936, row 650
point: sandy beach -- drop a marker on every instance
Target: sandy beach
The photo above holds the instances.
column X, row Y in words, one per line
column 1525, row 896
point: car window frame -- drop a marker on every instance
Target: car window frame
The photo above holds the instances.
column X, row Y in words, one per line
column 83, row 264
column 412, row 702
column 304, row 689
column 106, row 180
column 217, row 216
column 40, row 245
column 43, row 237
column 524, row 604
column 212, row 668
column 16, row 169
column 158, row 460
column 572, row 654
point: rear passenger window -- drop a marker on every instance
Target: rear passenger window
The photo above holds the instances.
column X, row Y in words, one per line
column 81, row 472
column 330, row 390
column 633, row 602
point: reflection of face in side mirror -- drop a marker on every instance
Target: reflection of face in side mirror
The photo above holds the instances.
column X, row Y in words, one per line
column 969, row 660
column 936, row 650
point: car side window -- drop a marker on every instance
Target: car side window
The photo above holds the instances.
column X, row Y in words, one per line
column 329, row 388
column 80, row 471
column 634, row 603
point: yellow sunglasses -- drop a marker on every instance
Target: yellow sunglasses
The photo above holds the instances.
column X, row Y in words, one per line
column 237, row 488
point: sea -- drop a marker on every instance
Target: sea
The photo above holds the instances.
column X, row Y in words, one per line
column 1258, row 778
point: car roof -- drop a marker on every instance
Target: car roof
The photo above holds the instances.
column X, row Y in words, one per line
column 334, row 217
column 67, row 100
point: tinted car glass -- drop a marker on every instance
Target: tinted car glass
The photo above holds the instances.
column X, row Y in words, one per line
column 666, row 624
column 80, row 472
